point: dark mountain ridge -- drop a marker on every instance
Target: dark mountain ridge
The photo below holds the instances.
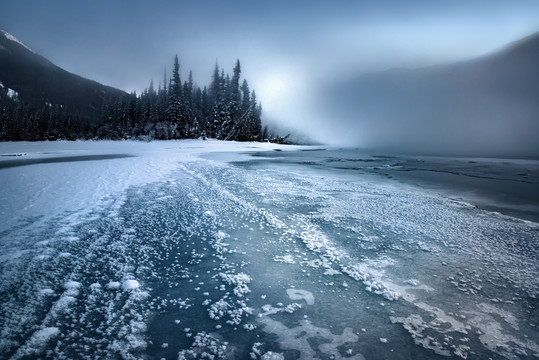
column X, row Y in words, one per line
column 487, row 106
column 38, row 81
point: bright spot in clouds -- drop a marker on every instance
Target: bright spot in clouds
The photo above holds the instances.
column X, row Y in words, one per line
column 273, row 89
column 282, row 91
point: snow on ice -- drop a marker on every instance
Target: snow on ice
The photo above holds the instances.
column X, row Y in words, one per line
column 221, row 250
column 297, row 294
column 129, row 285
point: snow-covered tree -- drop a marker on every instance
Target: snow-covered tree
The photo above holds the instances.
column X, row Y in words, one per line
column 223, row 110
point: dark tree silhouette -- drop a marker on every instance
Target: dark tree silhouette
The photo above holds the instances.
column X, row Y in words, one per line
column 224, row 110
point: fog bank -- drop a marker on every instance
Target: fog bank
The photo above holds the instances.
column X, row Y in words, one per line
column 484, row 107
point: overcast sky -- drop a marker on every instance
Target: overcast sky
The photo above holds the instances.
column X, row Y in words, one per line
column 285, row 47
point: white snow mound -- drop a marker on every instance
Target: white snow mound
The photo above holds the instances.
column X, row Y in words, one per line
column 113, row 285
column 72, row 285
column 129, row 285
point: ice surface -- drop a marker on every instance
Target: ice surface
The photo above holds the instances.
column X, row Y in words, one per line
column 207, row 249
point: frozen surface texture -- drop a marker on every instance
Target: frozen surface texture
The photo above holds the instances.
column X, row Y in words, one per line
column 205, row 249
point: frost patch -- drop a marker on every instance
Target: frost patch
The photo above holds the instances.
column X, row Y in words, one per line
column 95, row 287
column 62, row 305
column 240, row 282
column 287, row 259
column 332, row 272
column 46, row 292
column 221, row 235
column 494, row 336
column 72, row 286
column 412, row 282
column 218, row 309
column 318, row 242
column 270, row 355
column 235, row 311
column 415, row 325
column 371, row 276
column 71, row 238
column 129, row 285
column 205, row 346
column 298, row 339
column 507, row 316
column 249, row 327
column 297, row 294
column 37, row 342
column 113, row 285
column 270, row 310
column 131, row 339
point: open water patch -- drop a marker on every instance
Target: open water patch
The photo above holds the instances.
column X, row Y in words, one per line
column 4, row 164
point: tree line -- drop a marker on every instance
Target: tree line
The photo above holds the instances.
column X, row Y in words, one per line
column 225, row 110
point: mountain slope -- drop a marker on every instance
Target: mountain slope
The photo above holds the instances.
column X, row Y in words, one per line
column 39, row 81
column 486, row 106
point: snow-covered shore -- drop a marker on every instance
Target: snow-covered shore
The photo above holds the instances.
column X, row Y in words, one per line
column 75, row 176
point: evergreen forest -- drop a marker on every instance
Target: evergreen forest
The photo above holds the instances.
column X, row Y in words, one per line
column 225, row 110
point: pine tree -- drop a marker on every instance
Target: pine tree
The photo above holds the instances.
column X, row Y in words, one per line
column 255, row 123
column 176, row 85
column 217, row 95
column 174, row 113
column 234, row 100
column 246, row 98
column 235, row 85
column 191, row 122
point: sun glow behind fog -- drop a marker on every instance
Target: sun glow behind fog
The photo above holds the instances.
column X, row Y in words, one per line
column 274, row 89
column 285, row 96
column 289, row 95
column 279, row 91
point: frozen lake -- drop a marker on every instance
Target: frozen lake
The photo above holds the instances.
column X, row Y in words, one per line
column 194, row 249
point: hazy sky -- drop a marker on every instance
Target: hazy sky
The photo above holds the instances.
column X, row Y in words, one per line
column 286, row 47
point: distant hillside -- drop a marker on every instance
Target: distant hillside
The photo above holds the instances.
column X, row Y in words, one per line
column 487, row 106
column 38, row 81
column 40, row 101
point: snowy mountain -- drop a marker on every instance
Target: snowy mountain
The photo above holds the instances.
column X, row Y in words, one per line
column 486, row 106
column 38, row 81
